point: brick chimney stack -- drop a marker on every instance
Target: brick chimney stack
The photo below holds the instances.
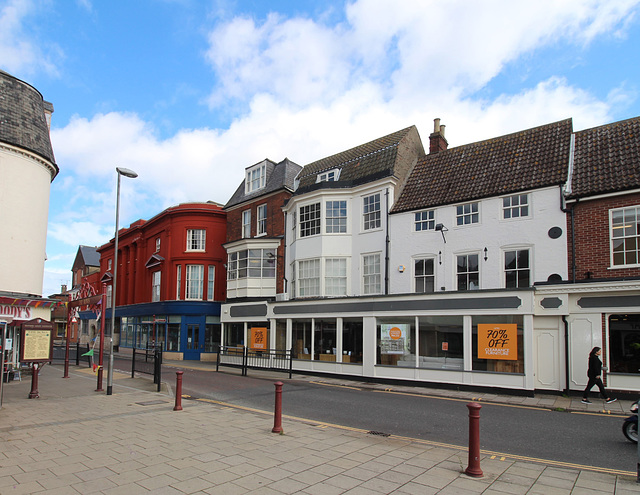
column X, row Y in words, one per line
column 437, row 142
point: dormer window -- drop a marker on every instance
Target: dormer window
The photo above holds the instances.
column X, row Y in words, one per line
column 256, row 178
column 328, row 176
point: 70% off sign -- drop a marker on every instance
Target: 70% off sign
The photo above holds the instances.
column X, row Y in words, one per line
column 498, row 341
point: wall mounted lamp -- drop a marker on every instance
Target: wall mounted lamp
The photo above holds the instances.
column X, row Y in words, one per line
column 442, row 229
column 485, row 254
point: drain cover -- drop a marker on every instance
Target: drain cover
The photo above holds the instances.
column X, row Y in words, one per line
column 151, row 402
column 379, row 433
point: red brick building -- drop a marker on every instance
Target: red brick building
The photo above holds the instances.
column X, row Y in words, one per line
column 171, row 280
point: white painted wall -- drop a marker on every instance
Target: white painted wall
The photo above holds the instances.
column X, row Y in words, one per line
column 548, row 256
column 352, row 244
column 24, row 208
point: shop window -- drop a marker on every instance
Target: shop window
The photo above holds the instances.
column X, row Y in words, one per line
column 441, row 342
column 501, row 346
column 173, row 334
column 624, row 344
column 281, row 335
column 396, row 342
column 301, row 336
column 352, row 331
column 234, row 334
column 212, row 334
column 325, row 343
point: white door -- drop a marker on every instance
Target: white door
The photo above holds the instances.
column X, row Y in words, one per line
column 546, row 358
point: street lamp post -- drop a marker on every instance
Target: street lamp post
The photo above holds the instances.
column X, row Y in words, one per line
column 132, row 175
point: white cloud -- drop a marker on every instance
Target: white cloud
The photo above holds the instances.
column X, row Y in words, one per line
column 18, row 52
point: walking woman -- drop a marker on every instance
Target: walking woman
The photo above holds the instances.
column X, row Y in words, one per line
column 594, row 373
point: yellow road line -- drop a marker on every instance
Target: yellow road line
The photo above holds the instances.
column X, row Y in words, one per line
column 334, row 385
column 491, row 454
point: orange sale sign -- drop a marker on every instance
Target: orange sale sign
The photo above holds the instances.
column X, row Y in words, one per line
column 498, row 341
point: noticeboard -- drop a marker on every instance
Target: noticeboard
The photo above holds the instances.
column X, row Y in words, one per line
column 36, row 341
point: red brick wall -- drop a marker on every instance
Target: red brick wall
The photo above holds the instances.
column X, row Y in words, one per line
column 592, row 247
column 275, row 226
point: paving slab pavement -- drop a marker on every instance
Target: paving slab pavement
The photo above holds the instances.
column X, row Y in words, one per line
column 75, row 440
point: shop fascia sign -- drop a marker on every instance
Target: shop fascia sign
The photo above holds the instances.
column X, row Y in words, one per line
column 15, row 312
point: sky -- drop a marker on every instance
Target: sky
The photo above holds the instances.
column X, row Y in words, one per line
column 189, row 93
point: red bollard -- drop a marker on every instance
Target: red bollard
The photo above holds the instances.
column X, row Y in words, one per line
column 34, row 394
column 473, row 469
column 277, row 417
column 178, row 406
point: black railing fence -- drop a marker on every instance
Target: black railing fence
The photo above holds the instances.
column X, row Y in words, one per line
column 264, row 359
column 76, row 351
column 148, row 361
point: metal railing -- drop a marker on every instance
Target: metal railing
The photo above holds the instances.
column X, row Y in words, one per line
column 148, row 361
column 264, row 359
column 75, row 353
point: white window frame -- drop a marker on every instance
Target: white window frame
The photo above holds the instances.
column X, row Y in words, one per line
column 371, row 273
column 194, row 282
column 246, row 224
column 253, row 263
column 328, row 176
column 255, row 178
column 624, row 232
column 468, row 272
column 196, row 240
column 211, row 279
column 424, row 220
column 417, row 277
column 335, row 277
column 467, row 214
column 156, row 278
column 516, row 206
column 109, row 295
column 308, row 279
column 372, row 211
column 109, row 264
column 310, row 218
column 517, row 269
column 158, row 245
column 335, row 222
column 261, row 220
column 178, row 281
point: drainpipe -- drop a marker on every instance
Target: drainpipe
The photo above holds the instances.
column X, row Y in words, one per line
column 566, row 355
column 387, row 242
column 284, row 257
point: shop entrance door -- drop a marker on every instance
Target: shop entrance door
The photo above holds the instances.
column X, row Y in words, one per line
column 194, row 339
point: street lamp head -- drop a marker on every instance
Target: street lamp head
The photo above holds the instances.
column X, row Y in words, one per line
column 126, row 172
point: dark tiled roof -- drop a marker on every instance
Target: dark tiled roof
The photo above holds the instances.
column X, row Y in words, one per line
column 375, row 159
column 607, row 159
column 86, row 256
column 279, row 176
column 22, row 118
column 522, row 161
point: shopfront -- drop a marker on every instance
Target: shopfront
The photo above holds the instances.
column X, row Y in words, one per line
column 482, row 339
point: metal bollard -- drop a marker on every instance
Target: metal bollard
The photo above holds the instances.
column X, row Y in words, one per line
column 178, row 406
column 277, row 417
column 473, row 469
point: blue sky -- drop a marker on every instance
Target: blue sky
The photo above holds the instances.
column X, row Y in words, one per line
column 188, row 93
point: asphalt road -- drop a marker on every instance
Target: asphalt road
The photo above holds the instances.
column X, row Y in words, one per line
column 585, row 439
